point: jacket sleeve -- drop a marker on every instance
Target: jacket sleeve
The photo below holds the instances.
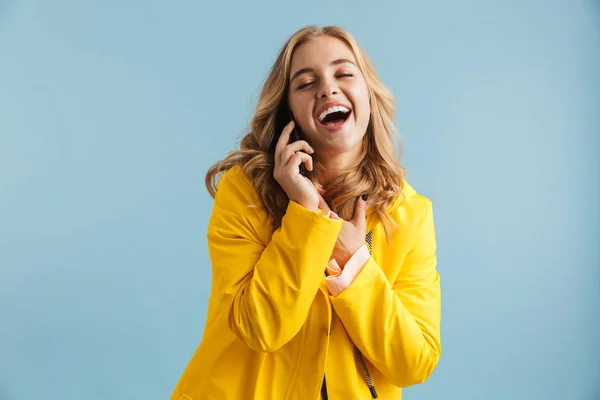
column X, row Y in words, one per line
column 397, row 327
column 266, row 285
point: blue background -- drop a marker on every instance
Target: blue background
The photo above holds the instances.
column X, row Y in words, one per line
column 111, row 112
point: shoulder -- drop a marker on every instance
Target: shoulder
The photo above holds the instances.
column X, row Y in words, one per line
column 410, row 203
column 234, row 174
column 237, row 207
column 237, row 210
column 413, row 213
column 235, row 186
column 236, row 197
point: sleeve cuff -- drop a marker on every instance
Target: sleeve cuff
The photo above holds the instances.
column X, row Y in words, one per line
column 328, row 214
column 338, row 280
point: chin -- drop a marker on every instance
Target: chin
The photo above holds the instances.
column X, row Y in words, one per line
column 341, row 143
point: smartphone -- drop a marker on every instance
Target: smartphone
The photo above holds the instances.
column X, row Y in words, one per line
column 283, row 117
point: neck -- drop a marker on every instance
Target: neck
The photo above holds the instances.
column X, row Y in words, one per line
column 335, row 164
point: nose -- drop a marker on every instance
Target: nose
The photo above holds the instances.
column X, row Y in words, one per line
column 328, row 89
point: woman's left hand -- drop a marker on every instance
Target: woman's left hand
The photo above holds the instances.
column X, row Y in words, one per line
column 352, row 235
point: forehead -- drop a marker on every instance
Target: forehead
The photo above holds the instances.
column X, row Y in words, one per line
column 318, row 53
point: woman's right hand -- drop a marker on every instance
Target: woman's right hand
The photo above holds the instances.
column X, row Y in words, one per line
column 288, row 158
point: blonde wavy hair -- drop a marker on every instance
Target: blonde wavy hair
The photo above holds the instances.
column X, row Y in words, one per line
column 377, row 172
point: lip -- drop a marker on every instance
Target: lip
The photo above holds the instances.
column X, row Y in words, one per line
column 335, row 128
column 325, row 107
column 330, row 104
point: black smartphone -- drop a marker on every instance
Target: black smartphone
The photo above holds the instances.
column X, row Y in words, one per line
column 283, row 117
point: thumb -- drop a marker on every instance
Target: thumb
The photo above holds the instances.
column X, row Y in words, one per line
column 361, row 209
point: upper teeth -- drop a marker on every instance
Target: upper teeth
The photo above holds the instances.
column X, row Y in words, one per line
column 332, row 110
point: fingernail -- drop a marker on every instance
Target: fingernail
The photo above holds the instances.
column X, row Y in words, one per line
column 364, row 196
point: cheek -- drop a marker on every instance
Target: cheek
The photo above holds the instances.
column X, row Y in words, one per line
column 363, row 105
column 360, row 92
column 301, row 109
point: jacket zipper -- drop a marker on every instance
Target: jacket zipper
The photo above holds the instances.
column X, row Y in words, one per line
column 324, row 390
column 361, row 359
column 363, row 364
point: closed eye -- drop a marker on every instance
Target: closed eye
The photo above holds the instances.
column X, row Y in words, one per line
column 307, row 84
column 304, row 85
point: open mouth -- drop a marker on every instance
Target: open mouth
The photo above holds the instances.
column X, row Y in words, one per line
column 334, row 116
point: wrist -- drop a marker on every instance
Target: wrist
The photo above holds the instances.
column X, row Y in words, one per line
column 360, row 255
column 349, row 254
column 309, row 205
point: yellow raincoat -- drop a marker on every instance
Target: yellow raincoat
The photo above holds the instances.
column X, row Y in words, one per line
column 273, row 331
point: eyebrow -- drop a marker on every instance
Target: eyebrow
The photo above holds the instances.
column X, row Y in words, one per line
column 334, row 62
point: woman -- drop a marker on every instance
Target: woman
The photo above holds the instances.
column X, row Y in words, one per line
column 324, row 277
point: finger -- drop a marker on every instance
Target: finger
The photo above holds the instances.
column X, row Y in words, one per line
column 361, row 210
column 299, row 158
column 293, row 148
column 300, row 145
column 283, row 141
